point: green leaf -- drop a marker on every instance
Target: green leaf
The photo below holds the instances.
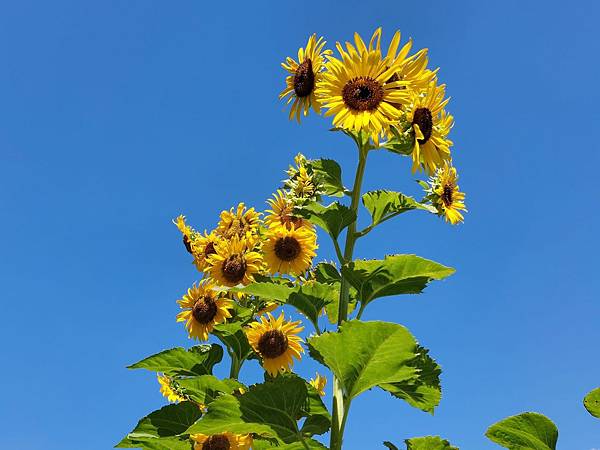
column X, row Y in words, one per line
column 526, row 431
column 423, row 392
column 167, row 443
column 403, row 140
column 310, row 443
column 592, row 402
column 327, row 273
column 396, row 274
column 318, row 419
column 389, row 445
column 333, row 218
column 329, row 176
column 198, row 360
column 365, row 354
column 270, row 409
column 428, row 443
column 206, row 388
column 383, row 205
column 170, row 420
column 234, row 337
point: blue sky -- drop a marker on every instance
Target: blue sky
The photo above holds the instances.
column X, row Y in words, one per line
column 117, row 116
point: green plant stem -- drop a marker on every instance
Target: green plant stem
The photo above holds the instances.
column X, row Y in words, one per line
column 236, row 365
column 341, row 404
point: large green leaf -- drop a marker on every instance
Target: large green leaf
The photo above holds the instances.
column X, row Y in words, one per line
column 318, row 419
column 327, row 273
column 526, row 431
column 166, row 443
column 423, row 392
column 206, row 388
column 333, row 218
column 270, row 409
column 396, row 274
column 198, row 360
column 383, row 205
column 592, row 402
column 366, row 354
column 234, row 337
column 170, row 420
column 329, row 176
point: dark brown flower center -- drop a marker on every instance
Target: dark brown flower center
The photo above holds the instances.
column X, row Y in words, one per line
column 304, row 79
column 423, row 118
column 287, row 248
column 187, row 243
column 209, row 249
column 234, row 268
column 216, row 442
column 204, row 310
column 272, row 344
column 447, row 194
column 362, row 94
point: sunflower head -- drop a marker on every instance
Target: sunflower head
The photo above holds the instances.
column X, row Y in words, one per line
column 169, row 390
column 234, row 262
column 282, row 212
column 204, row 246
column 304, row 76
column 203, row 307
column 289, row 250
column 319, row 382
column 188, row 233
column 240, row 222
column 223, row 441
column 445, row 194
column 276, row 341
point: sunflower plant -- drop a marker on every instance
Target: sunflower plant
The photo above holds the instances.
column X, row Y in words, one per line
column 263, row 296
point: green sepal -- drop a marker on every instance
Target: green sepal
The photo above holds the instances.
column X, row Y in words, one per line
column 197, row 360
column 526, row 431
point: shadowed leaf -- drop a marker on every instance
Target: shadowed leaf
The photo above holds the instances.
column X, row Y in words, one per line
column 198, row 360
column 526, row 431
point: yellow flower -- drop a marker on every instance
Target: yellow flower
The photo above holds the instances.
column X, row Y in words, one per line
column 234, row 263
column 204, row 246
column 445, row 194
column 276, row 341
column 358, row 89
column 431, row 125
column 319, row 383
column 242, row 223
column 203, row 308
column 189, row 234
column 282, row 212
column 305, row 75
column 168, row 390
column 223, row 441
column 289, row 251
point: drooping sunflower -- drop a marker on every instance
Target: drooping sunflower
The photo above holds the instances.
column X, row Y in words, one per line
column 168, row 390
column 203, row 308
column 305, row 75
column 289, row 250
column 276, row 341
column 223, row 441
column 431, row 124
column 319, row 383
column 282, row 212
column 240, row 222
column 204, row 246
column 189, row 234
column 445, row 194
column 359, row 89
column 234, row 262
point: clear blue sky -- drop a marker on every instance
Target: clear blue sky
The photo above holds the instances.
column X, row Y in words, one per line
column 117, row 116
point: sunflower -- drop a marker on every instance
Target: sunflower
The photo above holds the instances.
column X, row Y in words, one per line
column 168, row 390
column 242, row 223
column 203, row 308
column 282, row 212
column 276, row 341
column 223, row 441
column 234, row 262
column 289, row 250
column 319, row 383
column 445, row 194
column 305, row 75
column 189, row 234
column 359, row 89
column 431, row 125
column 204, row 246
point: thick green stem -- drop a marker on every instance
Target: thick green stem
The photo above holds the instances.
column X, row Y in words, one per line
column 340, row 403
column 236, row 365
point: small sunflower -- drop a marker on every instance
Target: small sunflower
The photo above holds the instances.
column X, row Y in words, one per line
column 223, row 441
column 168, row 390
column 203, row 308
column 189, row 234
column 242, row 223
column 305, row 75
column 289, row 250
column 282, row 212
column 319, row 383
column 431, row 125
column 234, row 263
column 445, row 194
column 276, row 341
column 204, row 246
column 358, row 89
